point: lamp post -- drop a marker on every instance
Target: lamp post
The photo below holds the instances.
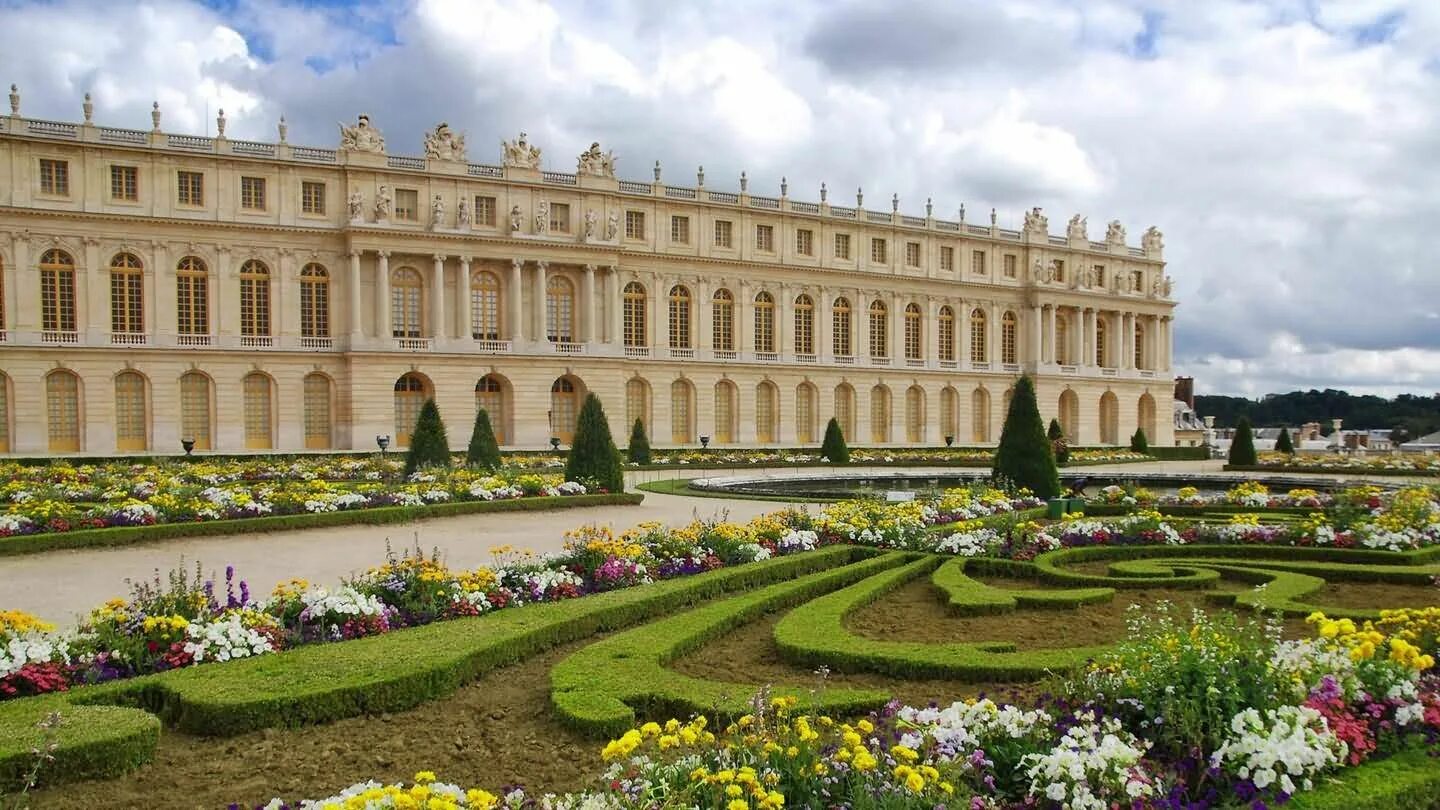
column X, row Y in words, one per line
column 555, row 443
column 704, row 442
column 949, row 440
column 383, row 442
column 188, row 445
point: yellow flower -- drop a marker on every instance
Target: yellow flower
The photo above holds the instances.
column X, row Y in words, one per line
column 737, row 804
column 914, row 782
column 734, row 791
column 425, row 776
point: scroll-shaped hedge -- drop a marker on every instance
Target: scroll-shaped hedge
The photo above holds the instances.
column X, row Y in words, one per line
column 964, row 596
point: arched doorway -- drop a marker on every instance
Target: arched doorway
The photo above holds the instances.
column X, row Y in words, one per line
column 1145, row 416
column 1109, row 418
column 490, row 396
column 1070, row 416
column 565, row 396
column 411, row 391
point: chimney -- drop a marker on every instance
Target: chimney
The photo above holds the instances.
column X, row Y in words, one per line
column 1185, row 391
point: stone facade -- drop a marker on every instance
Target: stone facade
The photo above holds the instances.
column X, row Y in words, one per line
column 248, row 295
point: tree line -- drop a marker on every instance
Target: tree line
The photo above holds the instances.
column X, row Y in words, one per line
column 1412, row 415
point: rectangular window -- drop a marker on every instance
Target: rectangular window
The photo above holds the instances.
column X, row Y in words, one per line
column 947, row 259
column 1060, row 270
column 977, row 262
column 724, row 233
column 1097, row 275
column 765, row 238
column 189, row 188
column 912, row 254
column 124, row 183
column 879, row 251
column 252, row 193
column 679, row 230
column 805, row 242
column 407, row 204
column 484, row 210
column 55, row 177
column 312, row 197
column 842, row 246
column 1011, row 265
column 634, row 224
column 560, row 217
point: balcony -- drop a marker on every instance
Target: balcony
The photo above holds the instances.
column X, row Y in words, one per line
column 566, row 347
column 637, row 352
column 59, row 336
column 879, row 361
column 727, row 354
column 805, row 358
column 1147, row 373
column 257, row 342
column 4, row 336
column 412, row 344
column 979, row 366
column 767, row 357
column 914, row 362
column 1109, row 372
column 1010, row 368
column 492, row 346
column 316, row 343
column 128, row 338
column 844, row 359
column 1069, row 370
column 681, row 354
column 949, row 364
column 193, row 340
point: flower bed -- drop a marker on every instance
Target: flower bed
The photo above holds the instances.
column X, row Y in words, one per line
column 1413, row 463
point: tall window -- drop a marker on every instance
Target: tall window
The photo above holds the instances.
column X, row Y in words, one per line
column 407, row 300
column 979, row 352
column 842, row 246
column 977, row 262
column 764, row 323
column 634, row 224
column 912, row 254
column 845, row 410
column 312, row 198
column 484, row 210
column 317, row 411
column 913, row 331
column 1011, row 265
column 484, row 306
column 1008, row 330
column 258, row 412
column 637, row 403
column 879, row 329
column 559, row 310
column 682, row 420
column 407, row 204
column 679, row 230
column 252, row 193
column 805, row 413
column 129, row 412
column 724, row 233
column 804, row 325
column 724, row 412
column 410, row 394
column 62, row 411
column 560, row 217
column 55, row 177
column 947, row 259
column 879, row 251
column 192, row 298
column 314, row 302
column 765, row 238
column 195, row 409
column 840, row 325
column 1139, row 344
column 127, row 295
column 680, row 317
column 490, row 398
column 765, row 395
column 254, row 299
column 564, row 408
column 879, row 414
column 57, row 291
column 1062, row 340
column 635, row 332
column 914, row 414
column 189, row 188
column 805, row 242
column 1100, row 330
column 124, row 183
column 980, row 416
column 722, row 321
column 949, row 413
column 947, row 334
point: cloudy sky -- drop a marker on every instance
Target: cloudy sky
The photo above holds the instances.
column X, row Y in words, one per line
column 1290, row 151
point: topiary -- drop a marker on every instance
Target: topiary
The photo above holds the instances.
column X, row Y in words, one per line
column 594, row 459
column 483, row 451
column 639, row 450
column 1024, row 456
column 429, row 447
column 1058, row 445
column 1283, row 444
column 833, row 448
column 1138, row 442
column 1242, row 447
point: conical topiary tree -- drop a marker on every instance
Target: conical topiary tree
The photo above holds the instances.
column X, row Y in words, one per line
column 429, row 446
column 1138, row 442
column 1284, row 444
column 1024, row 456
column 834, row 449
column 1058, row 445
column 594, row 460
column 483, row 451
column 639, row 450
column 1242, row 447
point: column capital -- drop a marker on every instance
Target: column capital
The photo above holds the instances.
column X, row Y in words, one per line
column 589, row 268
column 384, row 254
column 355, row 254
column 465, row 258
column 440, row 257
column 517, row 263
column 542, row 264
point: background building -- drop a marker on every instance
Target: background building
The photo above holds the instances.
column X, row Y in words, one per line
column 268, row 296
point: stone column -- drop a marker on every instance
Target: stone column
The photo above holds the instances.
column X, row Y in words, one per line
column 462, row 303
column 437, row 302
column 1037, row 336
column 383, row 330
column 824, row 341
column 159, row 281
column 542, row 333
column 1167, row 343
column 353, row 290
column 92, row 305
column 1054, row 341
column 514, row 309
column 784, row 327
column 1127, row 340
column 702, row 317
column 658, row 316
column 285, row 304
column 224, row 299
column 996, row 353
column 962, row 328
column 22, row 288
column 587, row 306
column 615, row 309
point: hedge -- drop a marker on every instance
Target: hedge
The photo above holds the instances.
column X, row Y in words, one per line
column 681, row 486
column 92, row 742
column 964, row 596
column 1197, row 510
column 600, row 689
column 1178, row 453
column 1408, row 780
column 384, row 515
column 1310, row 468
column 1190, row 563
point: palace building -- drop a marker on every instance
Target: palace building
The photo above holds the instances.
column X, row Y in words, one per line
column 244, row 295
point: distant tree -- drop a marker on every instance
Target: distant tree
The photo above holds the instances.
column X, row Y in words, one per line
column 483, row 451
column 594, row 460
column 1284, row 444
column 1058, row 444
column 1399, row 435
column 1138, row 442
column 1242, row 447
column 639, row 450
column 429, row 446
column 833, row 448
column 1024, row 456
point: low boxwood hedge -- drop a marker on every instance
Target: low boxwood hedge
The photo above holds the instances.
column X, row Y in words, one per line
column 1408, row 780
column 964, row 596
column 1311, row 469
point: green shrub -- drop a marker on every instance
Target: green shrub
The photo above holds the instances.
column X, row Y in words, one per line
column 594, row 459
column 1242, row 447
column 639, row 450
column 1284, row 444
column 1139, row 443
column 1024, row 456
column 483, row 451
column 429, row 447
column 1058, row 445
column 833, row 448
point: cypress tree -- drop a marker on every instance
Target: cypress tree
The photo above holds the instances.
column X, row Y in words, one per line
column 1058, row 445
column 1024, row 456
column 834, row 449
column 1242, row 447
column 639, row 450
column 429, row 446
column 594, row 460
column 1138, row 442
column 1284, row 444
column 483, row 451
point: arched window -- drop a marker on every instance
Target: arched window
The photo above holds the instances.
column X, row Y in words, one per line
column 411, row 391
column 564, row 409
column 407, row 304
column 980, row 416
column 192, row 299
column 1009, row 330
column 317, row 411
column 315, row 310
column 195, row 409
column 915, row 414
column 879, row 329
column 636, row 334
column 62, row 411
column 484, row 306
column 4, row 413
column 979, row 352
column 845, row 410
column 490, row 398
column 559, row 310
column 804, row 325
column 130, row 421
column 259, row 412
column 765, row 407
column 1070, row 416
column 254, row 299
column 1100, row 329
column 1109, row 418
column 1062, row 340
column 1140, row 347
column 127, row 295
column 680, row 317
column 880, row 414
column 913, row 327
column 725, row 415
column 637, row 403
column 840, row 328
column 682, row 418
column 946, row 335
column 805, row 413
column 950, row 413
column 722, row 321
column 764, row 323
column 57, row 291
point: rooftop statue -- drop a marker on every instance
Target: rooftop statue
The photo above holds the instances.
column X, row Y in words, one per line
column 1115, row 232
column 520, row 154
column 596, row 163
column 1077, row 228
column 1036, row 221
column 443, row 144
column 1152, row 239
column 362, row 137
